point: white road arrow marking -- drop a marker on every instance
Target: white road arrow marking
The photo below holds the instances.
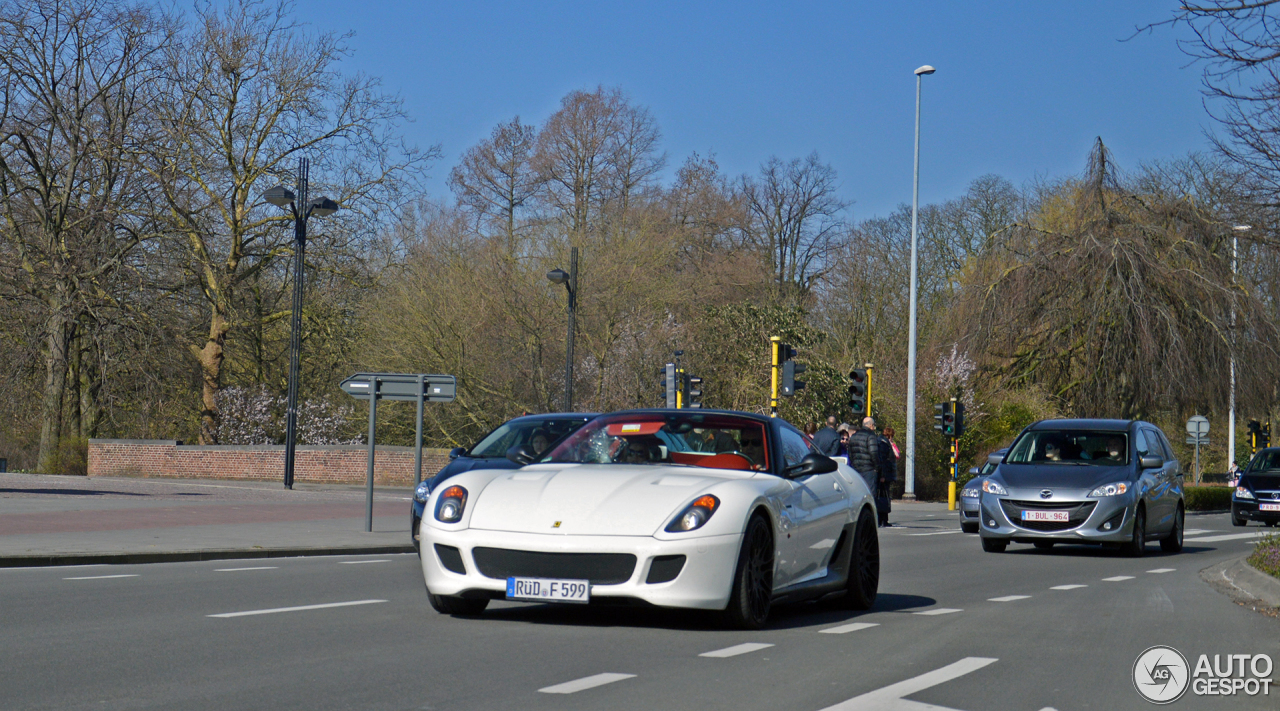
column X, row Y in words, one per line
column 889, row 698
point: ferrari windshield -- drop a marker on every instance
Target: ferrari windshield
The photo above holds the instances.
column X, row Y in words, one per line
column 694, row 439
column 536, row 432
column 1071, row 447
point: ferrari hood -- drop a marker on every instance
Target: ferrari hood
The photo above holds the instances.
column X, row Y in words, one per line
column 591, row 499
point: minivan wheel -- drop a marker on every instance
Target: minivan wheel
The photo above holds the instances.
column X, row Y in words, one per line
column 1172, row 543
column 1137, row 544
column 1236, row 521
column 991, row 545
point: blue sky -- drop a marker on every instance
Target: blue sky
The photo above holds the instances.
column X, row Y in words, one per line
column 1022, row 88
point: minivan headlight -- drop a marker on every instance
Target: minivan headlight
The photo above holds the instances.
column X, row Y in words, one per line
column 423, row 491
column 993, row 488
column 1243, row 493
column 1115, row 489
column 970, row 493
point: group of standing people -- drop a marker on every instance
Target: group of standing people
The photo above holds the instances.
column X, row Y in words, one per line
column 873, row 454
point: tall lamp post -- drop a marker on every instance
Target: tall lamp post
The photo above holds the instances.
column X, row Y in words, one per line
column 570, row 281
column 281, row 196
column 1231, row 420
column 910, row 488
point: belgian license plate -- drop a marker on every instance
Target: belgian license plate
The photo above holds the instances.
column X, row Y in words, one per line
column 548, row 590
column 1060, row 516
column 1269, row 507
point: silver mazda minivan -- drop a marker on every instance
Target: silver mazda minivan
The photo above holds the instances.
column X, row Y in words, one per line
column 1085, row 481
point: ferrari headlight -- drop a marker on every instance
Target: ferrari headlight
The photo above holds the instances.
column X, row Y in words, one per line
column 696, row 515
column 450, row 505
column 1115, row 489
column 971, row 493
column 421, row 493
column 1243, row 493
column 992, row 487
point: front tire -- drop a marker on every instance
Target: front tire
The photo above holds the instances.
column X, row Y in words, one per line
column 752, row 593
column 1137, row 545
column 457, row 606
column 1236, row 521
column 1172, row 543
column 992, row 545
column 864, row 564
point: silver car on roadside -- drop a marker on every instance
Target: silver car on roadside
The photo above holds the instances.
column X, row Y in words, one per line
column 1085, row 481
column 972, row 491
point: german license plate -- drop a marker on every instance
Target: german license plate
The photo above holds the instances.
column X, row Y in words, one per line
column 1269, row 507
column 1060, row 516
column 548, row 590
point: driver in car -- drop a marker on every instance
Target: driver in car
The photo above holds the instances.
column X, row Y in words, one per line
column 634, row 452
column 753, row 447
column 1115, row 449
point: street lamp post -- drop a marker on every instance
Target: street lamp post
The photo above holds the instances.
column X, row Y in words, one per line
column 281, row 196
column 1231, row 420
column 910, row 488
column 570, row 282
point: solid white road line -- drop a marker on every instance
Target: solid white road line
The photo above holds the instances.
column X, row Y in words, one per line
column 736, row 649
column 1117, row 578
column 234, row 570
column 939, row 533
column 890, row 698
column 296, row 609
column 586, row 682
column 1067, row 587
column 1227, row 537
column 1162, row 570
column 938, row 611
column 853, row 627
column 1008, row 598
column 358, row 562
column 1197, row 531
column 103, row 577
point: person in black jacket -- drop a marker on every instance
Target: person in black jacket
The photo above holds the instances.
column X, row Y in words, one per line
column 827, row 440
column 864, row 453
column 888, row 473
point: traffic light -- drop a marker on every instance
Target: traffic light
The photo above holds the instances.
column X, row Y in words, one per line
column 943, row 417
column 669, row 385
column 858, row 391
column 790, row 369
column 957, row 421
column 1266, row 434
column 1259, row 435
column 692, row 391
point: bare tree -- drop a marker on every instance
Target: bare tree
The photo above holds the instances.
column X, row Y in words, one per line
column 74, row 100
column 495, row 178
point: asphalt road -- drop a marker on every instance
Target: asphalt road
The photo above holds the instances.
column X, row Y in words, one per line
column 953, row 627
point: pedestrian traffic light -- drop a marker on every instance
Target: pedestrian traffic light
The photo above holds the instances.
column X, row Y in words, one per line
column 692, row 391
column 668, row 385
column 858, row 391
column 943, row 417
column 790, row 369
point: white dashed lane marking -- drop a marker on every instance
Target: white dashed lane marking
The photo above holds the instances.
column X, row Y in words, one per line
column 736, row 649
column 236, row 570
column 103, row 577
column 586, row 682
column 1117, row 578
column 358, row 562
column 939, row 533
column 299, row 608
column 1067, row 587
column 1228, row 537
column 938, row 611
column 853, row 627
column 1008, row 598
column 1162, row 570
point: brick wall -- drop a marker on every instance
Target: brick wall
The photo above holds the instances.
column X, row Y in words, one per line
column 392, row 466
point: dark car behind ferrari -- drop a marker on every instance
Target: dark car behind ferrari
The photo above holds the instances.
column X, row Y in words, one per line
column 1257, row 494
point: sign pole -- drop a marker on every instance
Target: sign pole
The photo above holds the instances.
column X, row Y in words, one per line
column 417, row 453
column 373, row 424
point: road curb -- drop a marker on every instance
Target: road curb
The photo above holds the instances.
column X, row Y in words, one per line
column 57, row 559
column 1238, row 579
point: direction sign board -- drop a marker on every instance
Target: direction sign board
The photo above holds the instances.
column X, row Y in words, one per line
column 1201, row 441
column 1198, row 426
column 402, row 386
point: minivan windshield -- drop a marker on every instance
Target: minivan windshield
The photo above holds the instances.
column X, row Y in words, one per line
column 538, row 433
column 1268, row 460
column 1071, row 447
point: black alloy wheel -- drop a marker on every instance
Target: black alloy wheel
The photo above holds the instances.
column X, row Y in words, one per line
column 752, row 593
column 1137, row 545
column 1043, row 545
column 864, row 564
column 992, row 545
column 1172, row 543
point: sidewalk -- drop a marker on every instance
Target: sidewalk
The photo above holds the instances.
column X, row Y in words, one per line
column 59, row 520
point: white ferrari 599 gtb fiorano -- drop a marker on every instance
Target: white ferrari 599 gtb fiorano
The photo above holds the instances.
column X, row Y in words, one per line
column 702, row 509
